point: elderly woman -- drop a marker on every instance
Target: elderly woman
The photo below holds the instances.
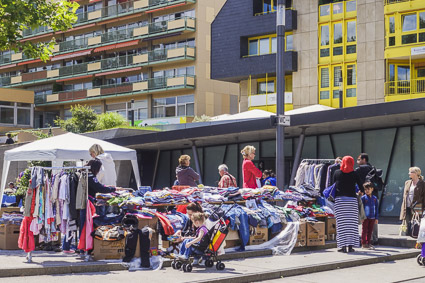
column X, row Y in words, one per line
column 186, row 176
column 107, row 174
column 346, row 205
column 414, row 194
column 249, row 171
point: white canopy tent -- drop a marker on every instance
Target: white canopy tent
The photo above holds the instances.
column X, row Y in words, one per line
column 66, row 147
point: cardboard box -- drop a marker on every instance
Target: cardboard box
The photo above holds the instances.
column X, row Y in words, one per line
column 9, row 210
column 261, row 235
column 232, row 243
column 315, row 233
column 9, row 235
column 232, row 235
column 148, row 222
column 108, row 250
column 302, row 235
column 330, row 226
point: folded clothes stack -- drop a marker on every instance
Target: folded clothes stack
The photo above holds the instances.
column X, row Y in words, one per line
column 11, row 218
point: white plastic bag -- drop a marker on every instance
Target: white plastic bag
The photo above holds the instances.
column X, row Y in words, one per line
column 421, row 235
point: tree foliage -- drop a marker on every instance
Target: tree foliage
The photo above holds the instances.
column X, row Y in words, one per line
column 19, row 15
column 83, row 120
column 110, row 120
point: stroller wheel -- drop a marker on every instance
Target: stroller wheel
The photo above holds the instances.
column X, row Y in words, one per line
column 423, row 260
column 220, row 265
column 189, row 267
column 419, row 260
column 178, row 265
column 173, row 264
column 209, row 263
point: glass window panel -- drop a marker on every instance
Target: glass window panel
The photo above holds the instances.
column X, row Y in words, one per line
column 347, row 144
column 159, row 101
column 422, row 20
column 215, row 156
column 403, row 73
column 190, row 70
column 267, row 6
column 181, row 110
column 170, row 101
column 324, row 35
column 324, row 52
column 351, row 92
column 409, row 22
column 262, row 87
column 351, row 31
column 351, row 75
column 350, row 6
column 337, row 33
column 391, row 41
column 185, row 99
column 335, row 94
column 270, row 87
column 325, row 147
column 337, row 75
column 29, row 104
column 158, row 112
column 392, row 25
column 142, row 113
column 324, row 94
column 337, row 51
column 324, row 77
column 392, row 73
column 274, row 44
column 337, row 8
column 6, row 115
column 253, row 47
column 190, row 109
column 170, row 111
column 410, row 38
column 264, row 46
column 325, row 10
column 24, row 116
column 422, row 37
column 351, row 49
column 289, row 42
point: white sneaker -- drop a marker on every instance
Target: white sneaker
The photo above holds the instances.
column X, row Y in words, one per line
column 201, row 262
column 371, row 247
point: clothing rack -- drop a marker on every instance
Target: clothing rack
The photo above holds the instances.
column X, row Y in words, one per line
column 318, row 160
column 87, row 257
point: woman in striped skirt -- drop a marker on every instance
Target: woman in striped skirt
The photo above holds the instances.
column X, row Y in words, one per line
column 346, row 206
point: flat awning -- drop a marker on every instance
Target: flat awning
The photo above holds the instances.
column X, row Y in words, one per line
column 71, row 55
column 118, row 71
column 116, row 46
column 74, row 78
column 7, row 66
column 29, row 62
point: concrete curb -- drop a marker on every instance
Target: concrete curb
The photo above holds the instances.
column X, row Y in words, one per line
column 301, row 270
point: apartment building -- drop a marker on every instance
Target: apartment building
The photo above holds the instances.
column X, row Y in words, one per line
column 155, row 52
column 16, row 109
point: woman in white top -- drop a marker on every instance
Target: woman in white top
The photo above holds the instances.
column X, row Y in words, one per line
column 414, row 194
column 107, row 175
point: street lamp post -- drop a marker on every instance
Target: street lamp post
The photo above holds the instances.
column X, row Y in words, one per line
column 280, row 94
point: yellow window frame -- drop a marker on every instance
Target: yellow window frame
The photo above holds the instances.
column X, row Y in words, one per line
column 399, row 33
column 332, row 16
column 270, row 37
column 325, row 89
column 324, row 47
column 266, row 80
column 337, row 45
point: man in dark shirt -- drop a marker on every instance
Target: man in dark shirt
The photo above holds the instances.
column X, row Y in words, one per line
column 364, row 168
column 9, row 139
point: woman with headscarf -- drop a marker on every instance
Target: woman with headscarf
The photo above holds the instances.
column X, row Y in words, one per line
column 346, row 205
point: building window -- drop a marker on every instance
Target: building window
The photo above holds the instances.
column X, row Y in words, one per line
column 333, row 74
column 343, row 34
column 264, row 87
column 336, row 10
column 404, row 29
column 267, row 44
column 268, row 6
column 324, row 83
column 173, row 106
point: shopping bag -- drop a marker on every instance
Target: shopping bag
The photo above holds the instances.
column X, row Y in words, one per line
column 421, row 235
column 403, row 228
column 258, row 183
column 414, row 226
column 329, row 192
column 362, row 214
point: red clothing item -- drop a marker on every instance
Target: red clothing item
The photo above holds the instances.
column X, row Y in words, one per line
column 86, row 239
column 26, row 237
column 250, row 172
column 182, row 208
column 347, row 164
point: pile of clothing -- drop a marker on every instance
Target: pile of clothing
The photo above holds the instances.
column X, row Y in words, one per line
column 11, row 218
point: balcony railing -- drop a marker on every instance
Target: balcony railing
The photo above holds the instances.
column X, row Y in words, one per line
column 149, row 58
column 414, row 86
column 124, row 8
column 388, row 2
column 149, row 85
column 4, row 81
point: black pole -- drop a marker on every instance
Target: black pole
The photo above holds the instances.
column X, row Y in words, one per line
column 132, row 112
column 280, row 94
column 297, row 156
column 195, row 156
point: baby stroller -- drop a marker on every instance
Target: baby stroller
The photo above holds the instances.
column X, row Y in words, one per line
column 211, row 242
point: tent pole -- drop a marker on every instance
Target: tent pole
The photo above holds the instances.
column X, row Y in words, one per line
column 136, row 172
column 6, row 165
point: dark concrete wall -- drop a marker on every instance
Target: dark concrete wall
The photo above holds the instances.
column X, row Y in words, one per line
column 234, row 24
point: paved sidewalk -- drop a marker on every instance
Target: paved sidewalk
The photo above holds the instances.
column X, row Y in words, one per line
column 250, row 269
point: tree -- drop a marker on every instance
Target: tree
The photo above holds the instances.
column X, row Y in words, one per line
column 19, row 15
column 110, row 120
column 83, row 120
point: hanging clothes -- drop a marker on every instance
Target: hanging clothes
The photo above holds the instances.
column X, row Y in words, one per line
column 86, row 240
column 312, row 173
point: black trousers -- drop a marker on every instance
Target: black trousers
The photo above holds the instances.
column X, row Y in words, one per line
column 131, row 245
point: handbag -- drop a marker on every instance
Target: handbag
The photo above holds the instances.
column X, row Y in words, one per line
column 415, row 225
column 403, row 228
column 329, row 192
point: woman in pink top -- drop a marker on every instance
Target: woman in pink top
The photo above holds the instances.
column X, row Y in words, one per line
column 249, row 171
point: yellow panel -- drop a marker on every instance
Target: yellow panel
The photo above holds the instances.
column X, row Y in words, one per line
column 406, row 6
column 94, row 15
column 140, row 86
column 178, row 52
column 141, row 4
column 93, row 92
column 190, row 51
column 176, row 24
column 16, row 80
column 190, row 81
column 175, row 81
column 17, row 56
column 53, row 73
column 140, row 31
column 55, row 48
column 190, row 23
column 93, row 66
column 52, row 97
column 140, row 58
column 94, row 40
